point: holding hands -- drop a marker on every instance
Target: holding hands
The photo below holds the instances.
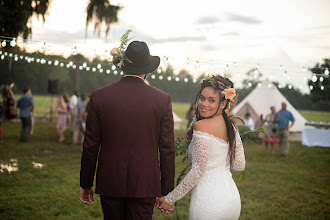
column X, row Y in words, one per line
column 163, row 206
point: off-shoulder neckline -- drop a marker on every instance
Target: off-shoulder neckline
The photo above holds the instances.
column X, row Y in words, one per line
column 210, row 136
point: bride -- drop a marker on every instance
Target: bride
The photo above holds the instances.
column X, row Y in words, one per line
column 215, row 149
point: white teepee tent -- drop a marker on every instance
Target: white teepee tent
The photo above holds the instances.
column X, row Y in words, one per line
column 177, row 121
column 261, row 99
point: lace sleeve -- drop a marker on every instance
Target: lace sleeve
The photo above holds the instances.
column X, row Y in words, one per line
column 199, row 145
column 239, row 162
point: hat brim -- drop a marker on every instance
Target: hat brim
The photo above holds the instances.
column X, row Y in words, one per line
column 129, row 68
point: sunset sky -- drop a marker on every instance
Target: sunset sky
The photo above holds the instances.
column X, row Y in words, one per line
column 270, row 33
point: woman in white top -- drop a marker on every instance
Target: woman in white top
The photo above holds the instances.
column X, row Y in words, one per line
column 215, row 149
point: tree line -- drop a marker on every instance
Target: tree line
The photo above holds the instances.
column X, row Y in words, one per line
column 36, row 75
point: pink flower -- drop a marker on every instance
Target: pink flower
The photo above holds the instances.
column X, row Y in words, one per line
column 114, row 51
column 230, row 93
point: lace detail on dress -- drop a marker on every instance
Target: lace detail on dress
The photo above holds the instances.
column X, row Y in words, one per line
column 199, row 149
column 210, row 135
column 239, row 163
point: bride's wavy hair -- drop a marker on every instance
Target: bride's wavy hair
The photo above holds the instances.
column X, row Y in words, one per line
column 219, row 83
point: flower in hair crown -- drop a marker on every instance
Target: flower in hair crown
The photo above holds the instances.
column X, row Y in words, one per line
column 215, row 82
column 118, row 53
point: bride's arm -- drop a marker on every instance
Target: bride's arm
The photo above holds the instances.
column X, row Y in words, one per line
column 199, row 146
column 238, row 164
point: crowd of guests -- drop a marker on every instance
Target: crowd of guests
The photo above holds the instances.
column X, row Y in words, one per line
column 277, row 126
column 71, row 112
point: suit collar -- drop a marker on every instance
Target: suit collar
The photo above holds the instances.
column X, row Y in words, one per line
column 131, row 79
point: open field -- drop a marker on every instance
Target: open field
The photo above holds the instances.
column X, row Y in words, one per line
column 275, row 188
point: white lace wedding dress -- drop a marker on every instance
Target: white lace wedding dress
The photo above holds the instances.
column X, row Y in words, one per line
column 214, row 192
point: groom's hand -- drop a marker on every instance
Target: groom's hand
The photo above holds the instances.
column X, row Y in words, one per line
column 86, row 196
column 163, row 206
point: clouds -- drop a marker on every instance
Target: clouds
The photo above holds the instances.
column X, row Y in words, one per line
column 207, row 20
column 232, row 17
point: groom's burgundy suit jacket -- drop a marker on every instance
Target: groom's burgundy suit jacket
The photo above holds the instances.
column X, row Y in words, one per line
column 128, row 123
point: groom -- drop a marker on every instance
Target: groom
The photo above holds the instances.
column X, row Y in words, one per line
column 129, row 125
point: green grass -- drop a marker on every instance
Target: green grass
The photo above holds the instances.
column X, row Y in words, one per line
column 296, row 187
column 315, row 115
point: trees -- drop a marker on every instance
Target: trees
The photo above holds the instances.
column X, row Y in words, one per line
column 319, row 93
column 101, row 12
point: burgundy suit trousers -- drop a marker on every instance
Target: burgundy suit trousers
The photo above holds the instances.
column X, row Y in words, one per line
column 121, row 208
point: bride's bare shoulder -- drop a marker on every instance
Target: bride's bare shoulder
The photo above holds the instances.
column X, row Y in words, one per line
column 202, row 125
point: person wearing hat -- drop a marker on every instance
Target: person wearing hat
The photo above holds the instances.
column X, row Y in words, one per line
column 129, row 124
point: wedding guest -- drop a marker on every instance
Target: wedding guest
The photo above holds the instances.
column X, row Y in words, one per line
column 283, row 117
column 73, row 103
column 7, row 99
column 249, row 121
column 61, row 124
column 271, row 131
column 83, row 118
column 79, row 108
column 190, row 113
column 260, row 122
column 26, row 106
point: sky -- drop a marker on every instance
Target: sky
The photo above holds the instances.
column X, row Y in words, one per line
column 239, row 34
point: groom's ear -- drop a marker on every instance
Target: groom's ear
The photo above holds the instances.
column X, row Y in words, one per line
column 223, row 104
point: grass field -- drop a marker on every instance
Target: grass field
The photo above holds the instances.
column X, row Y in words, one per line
column 275, row 188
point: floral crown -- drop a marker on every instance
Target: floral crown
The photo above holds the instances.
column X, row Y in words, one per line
column 118, row 53
column 215, row 82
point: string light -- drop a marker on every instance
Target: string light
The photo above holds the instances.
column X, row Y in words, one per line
column 321, row 79
column 93, row 69
column 159, row 71
column 115, row 72
column 160, row 77
column 3, row 44
column 314, row 78
column 13, row 42
column 153, row 76
column 108, row 71
column 322, row 87
column 169, row 78
column 311, row 87
column 326, row 72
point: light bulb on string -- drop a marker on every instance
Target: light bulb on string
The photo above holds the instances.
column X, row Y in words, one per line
column 161, row 77
column 49, row 62
column 70, row 63
column 101, row 70
column 326, row 71
column 177, row 79
column 67, row 65
column 314, row 78
column 4, row 43
column 159, row 71
column 321, row 79
column 311, row 87
column 290, row 86
column 10, row 55
column 88, row 68
column 74, row 66
column 6, row 53
column 194, row 80
column 108, row 71
column 115, row 72
column 249, row 84
column 185, row 80
column 0, row 52
column 61, row 64
column 153, row 76
column 16, row 58
column 21, row 57
column 322, row 87
column 222, row 74
column 93, row 69
column 259, row 84
column 43, row 47
column 81, row 67
column 169, row 78
column 113, row 67
column 13, row 42
column 279, row 86
column 197, row 64
column 2, row 57
column 38, row 60
column 121, row 73
column 99, row 66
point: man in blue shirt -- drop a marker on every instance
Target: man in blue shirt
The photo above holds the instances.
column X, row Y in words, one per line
column 283, row 117
column 26, row 105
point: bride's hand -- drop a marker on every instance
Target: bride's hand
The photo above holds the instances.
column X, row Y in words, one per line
column 164, row 206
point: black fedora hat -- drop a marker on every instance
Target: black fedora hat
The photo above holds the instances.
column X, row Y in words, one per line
column 141, row 60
